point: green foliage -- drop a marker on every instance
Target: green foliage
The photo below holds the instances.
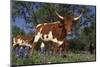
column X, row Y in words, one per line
column 71, row 57
column 17, row 31
column 77, row 45
column 86, row 37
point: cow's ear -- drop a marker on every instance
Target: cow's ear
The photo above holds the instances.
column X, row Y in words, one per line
column 77, row 18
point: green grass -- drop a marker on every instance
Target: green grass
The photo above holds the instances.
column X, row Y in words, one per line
column 36, row 59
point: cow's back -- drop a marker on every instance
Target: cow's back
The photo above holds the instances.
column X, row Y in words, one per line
column 57, row 30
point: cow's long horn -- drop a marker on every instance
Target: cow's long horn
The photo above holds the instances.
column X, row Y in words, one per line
column 76, row 18
column 61, row 17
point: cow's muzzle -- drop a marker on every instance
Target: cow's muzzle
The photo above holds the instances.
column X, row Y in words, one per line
column 69, row 36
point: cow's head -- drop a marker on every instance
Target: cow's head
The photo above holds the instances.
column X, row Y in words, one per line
column 68, row 22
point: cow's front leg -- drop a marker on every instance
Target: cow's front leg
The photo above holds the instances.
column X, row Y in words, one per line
column 42, row 48
column 42, row 52
column 64, row 48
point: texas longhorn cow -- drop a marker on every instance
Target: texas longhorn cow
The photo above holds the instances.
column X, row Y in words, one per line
column 55, row 31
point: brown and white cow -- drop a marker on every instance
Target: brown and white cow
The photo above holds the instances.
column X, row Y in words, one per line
column 22, row 40
column 55, row 31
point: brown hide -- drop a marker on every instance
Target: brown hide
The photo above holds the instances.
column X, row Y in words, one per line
column 29, row 39
column 57, row 29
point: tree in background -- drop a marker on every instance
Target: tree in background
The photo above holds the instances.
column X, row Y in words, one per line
column 17, row 31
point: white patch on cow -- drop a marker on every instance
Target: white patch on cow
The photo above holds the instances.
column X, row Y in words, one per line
column 60, row 42
column 19, row 41
column 42, row 45
column 37, row 37
column 27, row 44
column 14, row 44
column 50, row 38
column 38, row 25
column 45, row 37
column 14, row 41
column 56, row 41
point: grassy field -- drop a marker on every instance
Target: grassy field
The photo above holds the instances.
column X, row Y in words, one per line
column 36, row 58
